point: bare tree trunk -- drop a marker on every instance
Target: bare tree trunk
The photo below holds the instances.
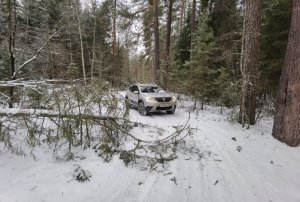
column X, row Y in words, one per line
column 182, row 14
column 12, row 26
column 94, row 40
column 193, row 25
column 168, row 43
column 53, row 72
column 287, row 122
column 100, row 66
column 242, row 106
column 156, row 40
column 81, row 40
column 250, row 57
column 93, row 59
column 69, row 32
column 193, row 18
column 114, row 44
column 193, row 28
column 127, row 66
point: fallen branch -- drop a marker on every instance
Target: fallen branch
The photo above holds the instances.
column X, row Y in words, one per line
column 49, row 114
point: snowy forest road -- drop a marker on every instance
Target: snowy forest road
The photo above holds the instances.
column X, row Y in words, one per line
column 221, row 162
column 233, row 164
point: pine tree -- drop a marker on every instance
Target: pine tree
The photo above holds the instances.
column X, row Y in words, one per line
column 227, row 26
column 286, row 122
column 156, row 54
column 203, row 72
column 180, row 71
column 250, row 60
column 167, row 44
column 275, row 26
column 103, row 32
column 4, row 56
column 183, row 44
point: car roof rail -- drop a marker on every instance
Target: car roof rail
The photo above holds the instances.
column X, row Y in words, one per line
column 138, row 84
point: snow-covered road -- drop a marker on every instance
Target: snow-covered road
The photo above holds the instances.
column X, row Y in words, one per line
column 227, row 163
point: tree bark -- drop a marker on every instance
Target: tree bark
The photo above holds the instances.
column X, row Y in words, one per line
column 94, row 43
column 287, row 116
column 250, row 59
column 94, row 8
column 12, row 26
column 168, row 43
column 193, row 18
column 114, row 79
column 156, row 40
column 182, row 14
column 193, row 28
column 81, row 40
column 69, row 31
column 242, row 106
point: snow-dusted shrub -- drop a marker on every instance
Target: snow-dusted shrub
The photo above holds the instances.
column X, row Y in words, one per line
column 35, row 97
column 233, row 115
column 127, row 157
column 80, row 174
column 106, row 150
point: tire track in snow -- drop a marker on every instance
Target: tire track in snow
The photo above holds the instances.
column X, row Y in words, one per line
column 230, row 179
column 236, row 185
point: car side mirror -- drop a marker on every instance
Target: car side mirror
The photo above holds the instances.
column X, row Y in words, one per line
column 136, row 92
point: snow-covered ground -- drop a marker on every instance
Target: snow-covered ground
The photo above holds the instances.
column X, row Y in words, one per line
column 225, row 163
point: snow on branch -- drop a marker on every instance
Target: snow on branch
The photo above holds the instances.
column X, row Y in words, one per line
column 3, row 95
column 34, row 57
column 20, row 82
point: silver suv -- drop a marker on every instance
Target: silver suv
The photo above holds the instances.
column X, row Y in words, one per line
column 150, row 98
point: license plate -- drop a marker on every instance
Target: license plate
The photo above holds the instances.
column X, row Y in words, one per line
column 164, row 105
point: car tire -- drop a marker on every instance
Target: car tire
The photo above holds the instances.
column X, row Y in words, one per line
column 171, row 112
column 141, row 109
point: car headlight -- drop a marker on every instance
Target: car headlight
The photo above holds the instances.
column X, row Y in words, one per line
column 150, row 99
column 174, row 98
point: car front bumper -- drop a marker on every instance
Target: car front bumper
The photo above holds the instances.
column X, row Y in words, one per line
column 154, row 106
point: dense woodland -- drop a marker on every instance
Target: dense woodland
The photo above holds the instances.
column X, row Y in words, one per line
column 227, row 52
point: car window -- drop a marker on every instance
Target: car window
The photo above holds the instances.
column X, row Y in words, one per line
column 151, row 89
column 134, row 88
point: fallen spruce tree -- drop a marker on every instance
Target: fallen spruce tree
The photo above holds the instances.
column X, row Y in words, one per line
column 66, row 117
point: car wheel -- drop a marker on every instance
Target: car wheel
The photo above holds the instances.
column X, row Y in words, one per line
column 141, row 109
column 171, row 112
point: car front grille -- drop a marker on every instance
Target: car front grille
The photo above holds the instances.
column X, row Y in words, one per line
column 163, row 99
column 163, row 108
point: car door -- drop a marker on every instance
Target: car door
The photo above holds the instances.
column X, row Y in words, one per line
column 134, row 95
column 128, row 93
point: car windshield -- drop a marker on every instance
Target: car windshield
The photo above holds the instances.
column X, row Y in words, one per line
column 151, row 89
